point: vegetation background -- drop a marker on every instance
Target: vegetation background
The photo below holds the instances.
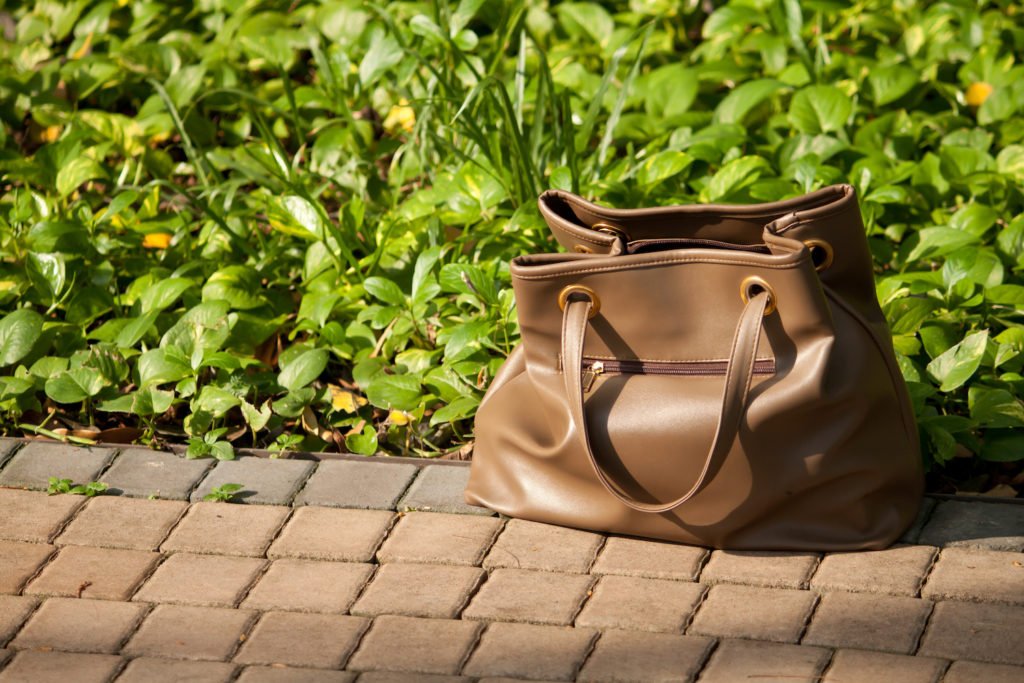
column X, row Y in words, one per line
column 287, row 224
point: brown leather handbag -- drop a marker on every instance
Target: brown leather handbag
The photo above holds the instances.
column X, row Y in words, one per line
column 716, row 375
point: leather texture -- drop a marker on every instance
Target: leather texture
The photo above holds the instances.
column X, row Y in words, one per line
column 683, row 440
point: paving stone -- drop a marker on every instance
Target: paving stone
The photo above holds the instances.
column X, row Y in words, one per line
column 924, row 513
column 73, row 625
column 33, row 465
column 131, row 523
column 977, row 575
column 989, row 526
column 398, row 677
column 851, row 666
column 315, row 533
column 529, row 596
column 531, row 545
column 412, row 645
column 100, row 573
column 419, row 590
column 741, row 660
column 157, row 670
column 19, row 562
column 309, row 586
column 34, row 517
column 184, row 632
column 975, row 672
column 967, row 630
column 776, row 614
column 274, row 674
column 203, row 580
column 530, row 651
column 439, row 538
column 899, row 570
column 439, row 488
column 267, row 481
column 628, row 602
column 867, row 621
column 142, row 473
column 628, row 656
column 55, row 667
column 219, row 529
column 350, row 484
column 760, row 568
column 321, row 641
column 7, row 448
column 649, row 559
column 14, row 610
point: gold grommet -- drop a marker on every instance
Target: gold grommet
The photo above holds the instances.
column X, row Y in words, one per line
column 820, row 247
column 580, row 249
column 595, row 303
column 609, row 229
column 760, row 283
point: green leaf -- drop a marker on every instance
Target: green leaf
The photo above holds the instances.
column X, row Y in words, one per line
column 74, row 386
column 238, row 285
column 735, row 175
column 215, row 401
column 956, row 365
column 738, row 103
column 661, row 167
column 256, row 418
column 302, row 369
column 163, row 294
column 459, row 409
column 585, row 19
column 889, row 83
column 669, row 91
column 384, row 53
column 905, row 315
column 19, row 331
column 974, row 218
column 363, row 443
column 160, row 366
column 995, row 407
column 76, row 172
column 939, row 241
column 1002, row 445
column 398, row 392
column 385, row 290
column 820, row 109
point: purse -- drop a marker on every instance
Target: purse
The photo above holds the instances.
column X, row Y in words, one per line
column 715, row 375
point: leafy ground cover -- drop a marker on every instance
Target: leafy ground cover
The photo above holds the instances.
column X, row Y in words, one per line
column 286, row 224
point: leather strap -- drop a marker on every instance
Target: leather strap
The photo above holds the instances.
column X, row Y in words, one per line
column 734, row 397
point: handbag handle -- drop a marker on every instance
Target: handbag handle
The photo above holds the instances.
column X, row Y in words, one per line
column 738, row 377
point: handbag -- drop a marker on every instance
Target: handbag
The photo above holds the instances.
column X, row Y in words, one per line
column 718, row 375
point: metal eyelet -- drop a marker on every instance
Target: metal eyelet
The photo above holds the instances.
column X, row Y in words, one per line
column 580, row 249
column 821, row 253
column 750, row 287
column 610, row 230
column 595, row 302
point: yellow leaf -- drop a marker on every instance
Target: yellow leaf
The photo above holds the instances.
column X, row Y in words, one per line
column 157, row 240
column 401, row 116
column 978, row 93
column 345, row 401
column 399, row 417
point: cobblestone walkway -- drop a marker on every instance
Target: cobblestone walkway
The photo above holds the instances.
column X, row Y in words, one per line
column 374, row 571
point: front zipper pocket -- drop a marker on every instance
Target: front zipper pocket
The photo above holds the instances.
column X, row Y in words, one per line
column 593, row 367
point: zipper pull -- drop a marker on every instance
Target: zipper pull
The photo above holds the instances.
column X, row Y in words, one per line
column 590, row 374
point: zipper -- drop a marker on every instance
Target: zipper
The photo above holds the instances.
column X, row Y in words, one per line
column 592, row 368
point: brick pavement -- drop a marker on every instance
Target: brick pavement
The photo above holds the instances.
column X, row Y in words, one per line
column 377, row 572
